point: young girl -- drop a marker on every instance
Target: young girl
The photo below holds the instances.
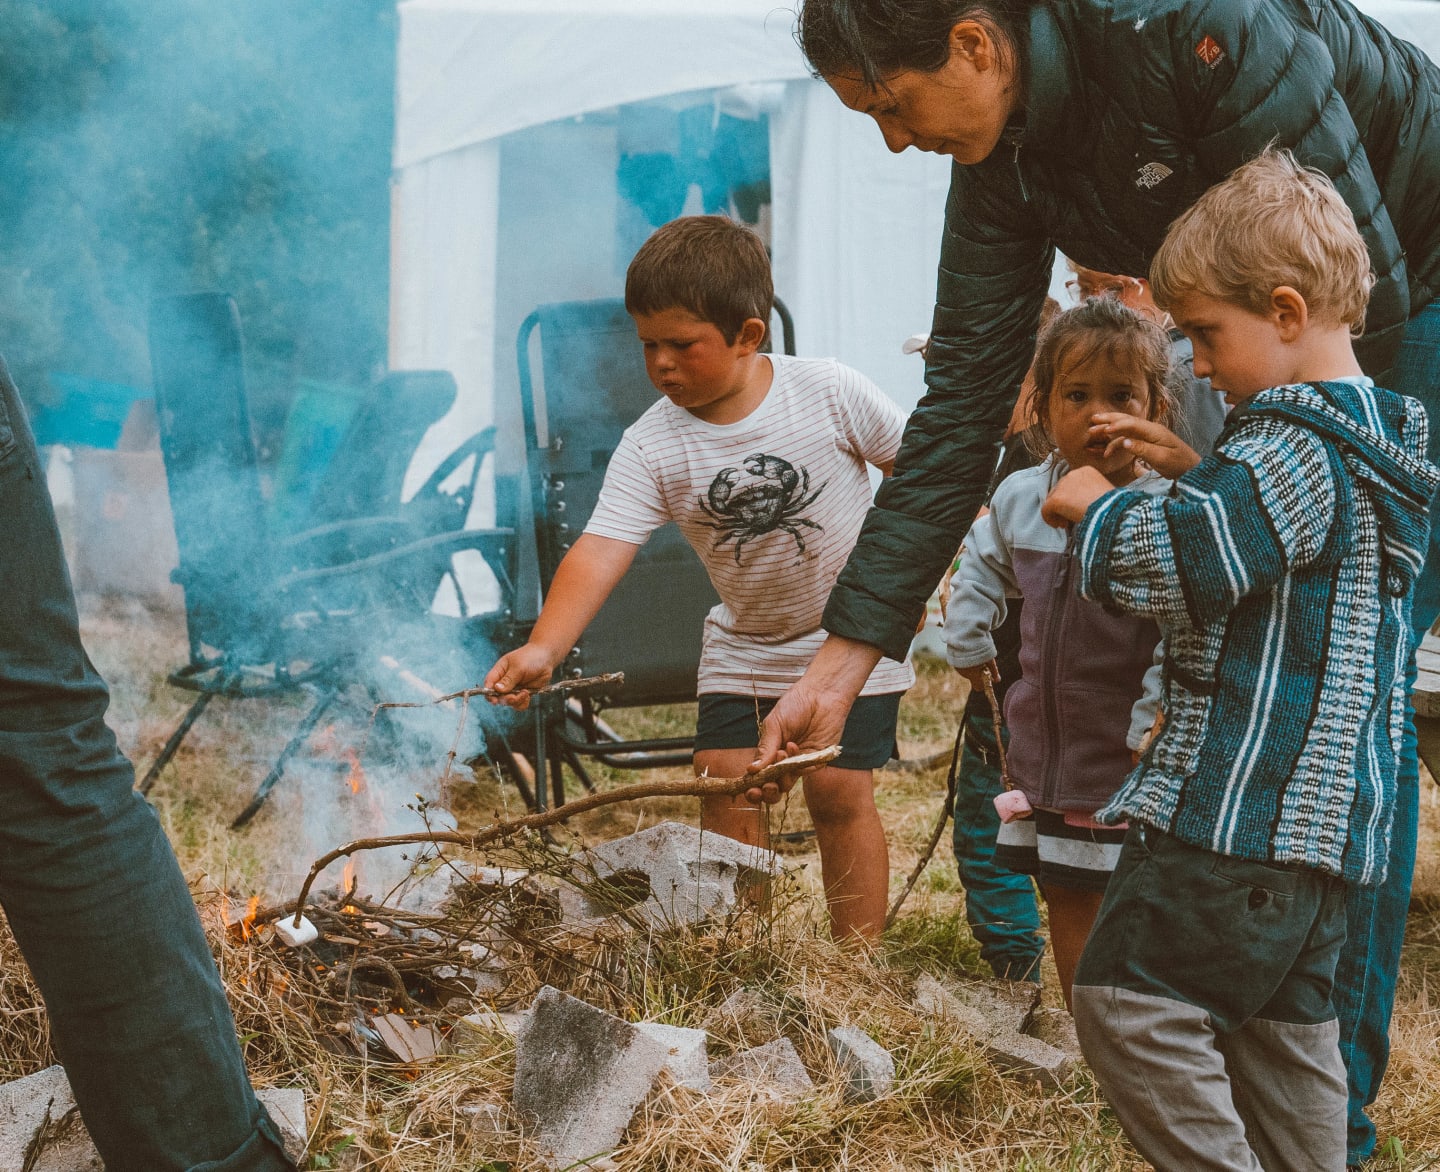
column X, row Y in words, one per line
column 1089, row 685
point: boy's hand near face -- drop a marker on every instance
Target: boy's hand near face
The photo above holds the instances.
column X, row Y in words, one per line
column 1075, row 493
column 1154, row 443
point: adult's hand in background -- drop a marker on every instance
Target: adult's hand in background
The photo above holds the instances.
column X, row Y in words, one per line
column 812, row 714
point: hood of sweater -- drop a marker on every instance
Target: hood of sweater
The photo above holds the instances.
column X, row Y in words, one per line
column 1381, row 438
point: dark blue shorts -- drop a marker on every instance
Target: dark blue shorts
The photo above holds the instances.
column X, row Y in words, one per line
column 868, row 742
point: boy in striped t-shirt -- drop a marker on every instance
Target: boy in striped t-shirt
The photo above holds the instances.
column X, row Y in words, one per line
column 761, row 460
column 1280, row 571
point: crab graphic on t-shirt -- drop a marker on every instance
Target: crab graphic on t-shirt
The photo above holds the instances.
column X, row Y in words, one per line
column 772, row 499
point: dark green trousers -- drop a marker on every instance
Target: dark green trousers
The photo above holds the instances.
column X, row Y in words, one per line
column 1203, row 1005
column 91, row 887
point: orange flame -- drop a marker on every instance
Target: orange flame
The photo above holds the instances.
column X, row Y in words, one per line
column 357, row 774
column 247, row 923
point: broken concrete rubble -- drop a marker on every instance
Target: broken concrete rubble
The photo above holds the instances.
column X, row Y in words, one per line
column 1056, row 1028
column 579, row 1076
column 775, row 1068
column 671, row 874
column 476, row 1032
column 41, row 1129
column 687, row 1064
column 994, row 1013
column 868, row 1067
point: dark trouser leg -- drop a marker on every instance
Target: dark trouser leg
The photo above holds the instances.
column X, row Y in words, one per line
column 1370, row 960
column 91, row 887
column 999, row 903
column 1205, row 986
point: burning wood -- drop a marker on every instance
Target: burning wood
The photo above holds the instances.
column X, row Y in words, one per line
column 696, row 787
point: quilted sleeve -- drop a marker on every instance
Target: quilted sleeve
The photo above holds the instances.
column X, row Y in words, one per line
column 1252, row 73
column 995, row 267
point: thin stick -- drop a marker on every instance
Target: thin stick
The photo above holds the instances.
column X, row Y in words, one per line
column 612, row 677
column 999, row 729
column 689, row 787
column 945, row 810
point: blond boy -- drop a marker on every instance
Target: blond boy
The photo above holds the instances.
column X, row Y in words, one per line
column 1280, row 570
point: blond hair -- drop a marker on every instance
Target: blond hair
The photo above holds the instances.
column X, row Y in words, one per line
column 1271, row 222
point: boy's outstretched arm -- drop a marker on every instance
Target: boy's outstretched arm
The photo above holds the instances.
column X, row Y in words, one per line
column 583, row 581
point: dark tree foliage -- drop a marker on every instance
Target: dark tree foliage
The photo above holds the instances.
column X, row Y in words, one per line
column 155, row 146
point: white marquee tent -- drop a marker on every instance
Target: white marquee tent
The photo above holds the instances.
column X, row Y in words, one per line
column 855, row 231
column 493, row 98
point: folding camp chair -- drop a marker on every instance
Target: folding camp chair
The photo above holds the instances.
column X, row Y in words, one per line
column 586, row 384
column 263, row 615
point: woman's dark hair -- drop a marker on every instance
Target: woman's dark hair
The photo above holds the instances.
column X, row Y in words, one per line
column 876, row 39
column 1098, row 325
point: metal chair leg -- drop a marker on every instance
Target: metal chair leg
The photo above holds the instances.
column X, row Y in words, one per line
column 173, row 744
column 302, row 734
column 542, row 791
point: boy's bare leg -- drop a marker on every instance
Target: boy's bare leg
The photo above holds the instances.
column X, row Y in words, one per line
column 1072, row 911
column 737, row 817
column 854, row 861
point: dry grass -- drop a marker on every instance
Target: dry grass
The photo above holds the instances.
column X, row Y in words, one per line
column 949, row 1109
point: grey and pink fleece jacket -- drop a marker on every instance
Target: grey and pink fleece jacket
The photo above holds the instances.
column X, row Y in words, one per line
column 1090, row 679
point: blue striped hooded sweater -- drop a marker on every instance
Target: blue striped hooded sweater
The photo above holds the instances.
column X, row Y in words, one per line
column 1280, row 571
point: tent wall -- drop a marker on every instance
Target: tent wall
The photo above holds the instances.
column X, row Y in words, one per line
column 856, row 237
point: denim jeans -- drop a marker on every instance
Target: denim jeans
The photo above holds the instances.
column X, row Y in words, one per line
column 999, row 903
column 91, row 887
column 1375, row 916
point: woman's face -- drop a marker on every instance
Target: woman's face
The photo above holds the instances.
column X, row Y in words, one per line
column 959, row 110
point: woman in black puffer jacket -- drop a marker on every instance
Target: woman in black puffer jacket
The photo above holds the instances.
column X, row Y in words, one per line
column 1089, row 125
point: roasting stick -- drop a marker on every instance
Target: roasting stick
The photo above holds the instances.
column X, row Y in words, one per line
column 294, row 931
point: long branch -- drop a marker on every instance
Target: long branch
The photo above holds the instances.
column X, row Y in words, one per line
column 684, row 787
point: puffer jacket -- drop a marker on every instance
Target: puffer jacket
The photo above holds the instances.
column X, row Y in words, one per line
column 1133, row 109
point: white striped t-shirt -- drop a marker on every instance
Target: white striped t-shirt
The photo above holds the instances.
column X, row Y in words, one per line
column 772, row 504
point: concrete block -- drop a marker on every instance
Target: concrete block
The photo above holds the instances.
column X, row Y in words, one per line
column 982, row 1007
column 287, row 1108
column 994, row 1013
column 687, row 1064
column 671, row 874
column 775, row 1068
column 869, row 1068
column 579, row 1076
column 1027, row 1057
column 1057, row 1028
column 41, row 1129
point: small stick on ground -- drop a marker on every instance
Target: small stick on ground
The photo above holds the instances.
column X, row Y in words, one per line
column 693, row 787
